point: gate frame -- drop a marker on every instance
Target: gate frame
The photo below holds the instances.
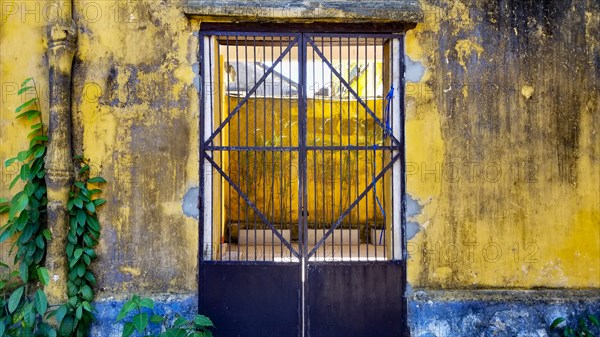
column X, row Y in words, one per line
column 301, row 32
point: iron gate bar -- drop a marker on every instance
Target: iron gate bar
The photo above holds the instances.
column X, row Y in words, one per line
column 354, row 35
column 351, row 91
column 296, row 148
column 247, row 34
column 349, row 209
column 251, row 204
column 201, row 224
column 251, row 92
column 252, row 148
column 302, row 200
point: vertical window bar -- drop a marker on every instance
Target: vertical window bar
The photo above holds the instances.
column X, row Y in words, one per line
column 323, row 219
column 227, row 64
column 210, row 94
column 349, row 183
column 281, row 181
column 376, row 138
column 290, row 214
column 368, row 164
column 216, row 84
column 314, row 142
column 273, row 144
column 215, row 155
column 241, row 154
column 264, row 127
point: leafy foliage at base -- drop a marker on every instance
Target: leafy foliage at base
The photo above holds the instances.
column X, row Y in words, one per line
column 142, row 319
column 24, row 307
column 75, row 317
column 584, row 326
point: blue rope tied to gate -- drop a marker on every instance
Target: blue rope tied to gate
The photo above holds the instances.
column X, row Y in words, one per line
column 388, row 130
column 375, row 189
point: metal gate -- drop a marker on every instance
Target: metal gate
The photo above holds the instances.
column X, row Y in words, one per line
column 301, row 184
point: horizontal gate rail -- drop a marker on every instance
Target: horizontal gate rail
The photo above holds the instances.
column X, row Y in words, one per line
column 253, row 148
column 352, row 148
column 352, row 35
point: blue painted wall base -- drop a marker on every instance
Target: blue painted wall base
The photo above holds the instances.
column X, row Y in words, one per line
column 526, row 313
column 168, row 304
column 431, row 313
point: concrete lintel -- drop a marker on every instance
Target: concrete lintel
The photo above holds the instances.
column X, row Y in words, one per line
column 302, row 11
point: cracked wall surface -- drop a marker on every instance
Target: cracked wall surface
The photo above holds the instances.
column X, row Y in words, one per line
column 503, row 145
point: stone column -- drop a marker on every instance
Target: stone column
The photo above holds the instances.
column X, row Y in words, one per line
column 59, row 158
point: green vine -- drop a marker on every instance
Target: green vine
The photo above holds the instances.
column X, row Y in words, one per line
column 23, row 304
column 75, row 317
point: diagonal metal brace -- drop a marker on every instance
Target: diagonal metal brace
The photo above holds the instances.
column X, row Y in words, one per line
column 351, row 91
column 252, row 205
column 351, row 207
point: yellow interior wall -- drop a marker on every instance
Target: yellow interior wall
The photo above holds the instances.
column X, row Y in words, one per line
column 333, row 183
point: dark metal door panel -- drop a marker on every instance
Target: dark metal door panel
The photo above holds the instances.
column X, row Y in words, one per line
column 259, row 300
column 355, row 300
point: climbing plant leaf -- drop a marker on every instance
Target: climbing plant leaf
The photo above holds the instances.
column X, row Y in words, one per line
column 23, row 314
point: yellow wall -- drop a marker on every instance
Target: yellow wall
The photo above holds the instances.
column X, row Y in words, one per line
column 16, row 64
column 503, row 148
column 512, row 100
column 136, row 115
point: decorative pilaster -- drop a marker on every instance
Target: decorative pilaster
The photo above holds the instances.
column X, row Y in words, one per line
column 62, row 38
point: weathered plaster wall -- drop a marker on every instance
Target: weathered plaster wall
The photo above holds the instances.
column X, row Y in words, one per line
column 503, row 145
column 135, row 108
column 16, row 64
column 136, row 114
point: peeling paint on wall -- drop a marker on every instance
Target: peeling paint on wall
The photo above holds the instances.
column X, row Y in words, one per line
column 190, row 203
column 414, row 70
column 412, row 228
column 503, row 144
